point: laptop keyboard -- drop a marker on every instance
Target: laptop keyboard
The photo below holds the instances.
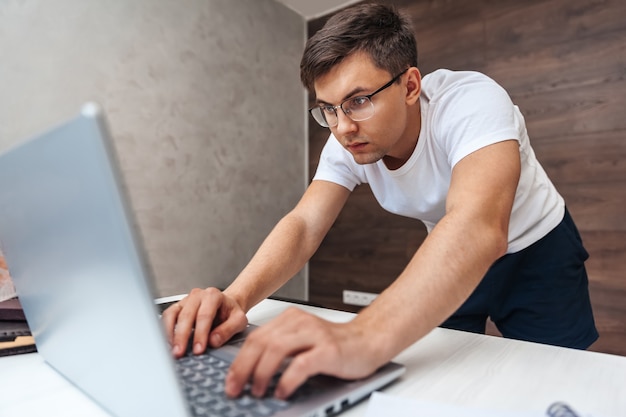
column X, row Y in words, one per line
column 203, row 380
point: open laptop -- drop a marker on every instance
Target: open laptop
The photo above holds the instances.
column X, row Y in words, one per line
column 69, row 238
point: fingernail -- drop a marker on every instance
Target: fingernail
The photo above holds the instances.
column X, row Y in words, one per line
column 176, row 350
column 229, row 385
column 216, row 339
column 279, row 393
column 257, row 392
column 197, row 348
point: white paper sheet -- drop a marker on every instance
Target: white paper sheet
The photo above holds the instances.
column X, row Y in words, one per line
column 387, row 405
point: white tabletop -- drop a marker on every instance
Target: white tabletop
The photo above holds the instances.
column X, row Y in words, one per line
column 446, row 366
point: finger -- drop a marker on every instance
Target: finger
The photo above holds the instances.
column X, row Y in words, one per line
column 263, row 352
column 210, row 302
column 236, row 322
column 275, row 354
column 277, row 345
column 168, row 317
column 184, row 324
column 241, row 368
column 279, row 341
column 297, row 372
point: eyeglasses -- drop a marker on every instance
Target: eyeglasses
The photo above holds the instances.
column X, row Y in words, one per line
column 357, row 108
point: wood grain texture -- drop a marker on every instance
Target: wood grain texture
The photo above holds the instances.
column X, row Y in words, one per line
column 564, row 64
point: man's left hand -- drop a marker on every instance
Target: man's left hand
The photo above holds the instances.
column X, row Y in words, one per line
column 307, row 345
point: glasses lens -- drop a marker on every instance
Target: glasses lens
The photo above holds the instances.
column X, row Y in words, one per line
column 325, row 116
column 358, row 108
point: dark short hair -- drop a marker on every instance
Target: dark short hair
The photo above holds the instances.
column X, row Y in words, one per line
column 376, row 29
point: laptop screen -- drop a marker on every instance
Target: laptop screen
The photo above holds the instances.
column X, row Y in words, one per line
column 68, row 234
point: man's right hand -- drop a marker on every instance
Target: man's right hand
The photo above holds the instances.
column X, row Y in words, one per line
column 213, row 316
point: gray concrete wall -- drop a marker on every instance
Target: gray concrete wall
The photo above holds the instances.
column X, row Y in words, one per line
column 204, row 102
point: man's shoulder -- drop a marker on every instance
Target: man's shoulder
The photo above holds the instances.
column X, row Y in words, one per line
column 443, row 81
column 446, row 76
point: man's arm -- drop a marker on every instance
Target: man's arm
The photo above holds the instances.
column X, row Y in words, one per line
column 290, row 245
column 215, row 315
column 456, row 255
column 439, row 278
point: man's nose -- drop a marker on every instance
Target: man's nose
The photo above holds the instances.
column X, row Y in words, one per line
column 344, row 123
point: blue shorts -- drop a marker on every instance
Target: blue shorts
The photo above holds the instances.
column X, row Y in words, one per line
column 539, row 294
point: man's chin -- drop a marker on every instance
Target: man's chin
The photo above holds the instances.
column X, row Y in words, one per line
column 366, row 159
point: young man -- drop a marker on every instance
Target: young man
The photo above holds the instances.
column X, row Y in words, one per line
column 451, row 150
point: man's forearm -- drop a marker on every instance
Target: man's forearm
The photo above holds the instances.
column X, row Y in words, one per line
column 439, row 278
column 290, row 244
column 455, row 256
column 283, row 253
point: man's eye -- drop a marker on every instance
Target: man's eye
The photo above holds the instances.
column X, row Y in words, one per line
column 328, row 109
column 357, row 102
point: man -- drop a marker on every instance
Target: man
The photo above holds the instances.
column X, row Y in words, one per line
column 451, row 150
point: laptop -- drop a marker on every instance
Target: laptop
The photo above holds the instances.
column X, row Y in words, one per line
column 69, row 236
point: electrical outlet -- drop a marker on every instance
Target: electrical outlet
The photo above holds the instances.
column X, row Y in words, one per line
column 358, row 298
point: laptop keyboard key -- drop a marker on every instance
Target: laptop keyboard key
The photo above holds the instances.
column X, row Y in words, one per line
column 203, row 379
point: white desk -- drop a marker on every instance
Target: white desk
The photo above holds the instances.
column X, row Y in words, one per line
column 446, row 366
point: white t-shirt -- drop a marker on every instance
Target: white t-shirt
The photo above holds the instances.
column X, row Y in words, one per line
column 461, row 113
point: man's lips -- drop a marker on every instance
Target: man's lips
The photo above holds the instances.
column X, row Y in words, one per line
column 356, row 146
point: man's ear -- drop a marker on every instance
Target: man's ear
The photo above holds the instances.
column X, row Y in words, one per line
column 413, row 85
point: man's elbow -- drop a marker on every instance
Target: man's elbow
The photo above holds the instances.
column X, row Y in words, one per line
column 499, row 241
column 502, row 246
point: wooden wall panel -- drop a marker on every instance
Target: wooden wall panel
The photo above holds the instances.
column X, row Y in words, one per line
column 590, row 158
column 564, row 64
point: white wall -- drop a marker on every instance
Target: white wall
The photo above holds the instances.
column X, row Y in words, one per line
column 310, row 9
column 204, row 100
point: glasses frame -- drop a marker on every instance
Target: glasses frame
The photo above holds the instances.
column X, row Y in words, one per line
column 340, row 106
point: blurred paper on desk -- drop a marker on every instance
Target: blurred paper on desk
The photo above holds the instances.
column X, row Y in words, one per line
column 7, row 290
column 388, row 405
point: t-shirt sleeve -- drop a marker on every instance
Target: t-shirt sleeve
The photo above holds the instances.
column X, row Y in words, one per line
column 475, row 114
column 335, row 165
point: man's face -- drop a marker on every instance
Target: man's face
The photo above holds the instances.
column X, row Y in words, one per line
column 386, row 133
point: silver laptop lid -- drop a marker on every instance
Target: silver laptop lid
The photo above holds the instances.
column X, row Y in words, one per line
column 68, row 236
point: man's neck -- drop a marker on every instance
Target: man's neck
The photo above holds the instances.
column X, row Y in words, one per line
column 408, row 142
